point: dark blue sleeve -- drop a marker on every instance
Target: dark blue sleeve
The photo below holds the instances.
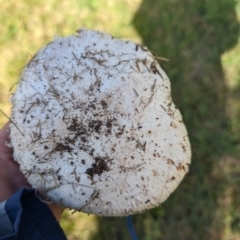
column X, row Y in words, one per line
column 31, row 218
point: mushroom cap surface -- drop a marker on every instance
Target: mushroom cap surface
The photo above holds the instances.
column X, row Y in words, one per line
column 94, row 127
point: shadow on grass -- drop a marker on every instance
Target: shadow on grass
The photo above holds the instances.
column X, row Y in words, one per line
column 192, row 35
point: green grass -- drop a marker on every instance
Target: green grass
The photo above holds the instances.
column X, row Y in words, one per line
column 201, row 41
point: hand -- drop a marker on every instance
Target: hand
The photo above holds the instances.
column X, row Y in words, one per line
column 11, row 178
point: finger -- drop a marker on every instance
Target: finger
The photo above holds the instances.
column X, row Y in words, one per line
column 57, row 211
column 4, row 133
column 5, row 151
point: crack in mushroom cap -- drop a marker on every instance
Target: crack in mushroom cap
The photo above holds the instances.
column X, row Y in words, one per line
column 95, row 128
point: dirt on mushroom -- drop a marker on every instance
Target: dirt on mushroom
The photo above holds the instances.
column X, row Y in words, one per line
column 97, row 113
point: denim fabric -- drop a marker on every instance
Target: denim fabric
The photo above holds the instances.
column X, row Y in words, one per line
column 6, row 225
column 31, row 219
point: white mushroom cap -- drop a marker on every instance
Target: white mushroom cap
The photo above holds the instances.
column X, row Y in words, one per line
column 94, row 126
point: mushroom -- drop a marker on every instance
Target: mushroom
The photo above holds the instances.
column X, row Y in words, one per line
column 94, row 127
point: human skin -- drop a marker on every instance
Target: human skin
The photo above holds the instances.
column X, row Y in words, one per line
column 11, row 178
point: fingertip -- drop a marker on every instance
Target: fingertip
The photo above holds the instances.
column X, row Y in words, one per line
column 5, row 127
column 4, row 132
